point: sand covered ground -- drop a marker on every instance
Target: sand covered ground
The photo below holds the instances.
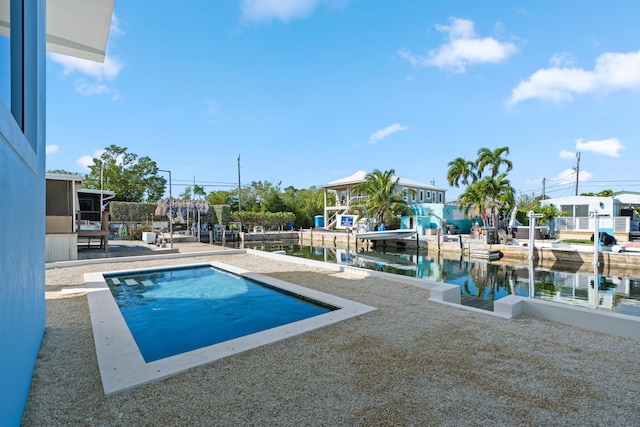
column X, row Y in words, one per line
column 411, row 362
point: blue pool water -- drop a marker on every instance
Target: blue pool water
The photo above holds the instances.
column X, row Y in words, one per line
column 182, row 309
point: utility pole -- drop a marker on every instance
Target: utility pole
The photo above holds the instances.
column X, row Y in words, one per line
column 577, row 171
column 239, row 193
column 543, row 183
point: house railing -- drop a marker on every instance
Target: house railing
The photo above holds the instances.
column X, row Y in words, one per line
column 619, row 224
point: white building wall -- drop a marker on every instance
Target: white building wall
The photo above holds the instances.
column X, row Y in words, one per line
column 603, row 205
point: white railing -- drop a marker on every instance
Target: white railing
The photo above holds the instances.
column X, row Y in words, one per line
column 619, row 224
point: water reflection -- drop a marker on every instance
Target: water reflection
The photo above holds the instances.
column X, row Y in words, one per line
column 615, row 291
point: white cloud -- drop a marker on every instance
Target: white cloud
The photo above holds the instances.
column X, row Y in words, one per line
column 562, row 59
column 115, row 95
column 568, row 176
column 116, row 26
column 612, row 72
column 88, row 89
column 564, row 154
column 383, row 133
column 108, row 70
column 608, row 147
column 87, row 160
column 464, row 48
column 98, row 73
column 51, row 149
column 282, row 10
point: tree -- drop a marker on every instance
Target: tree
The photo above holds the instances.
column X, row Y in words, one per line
column 186, row 194
column 491, row 190
column 473, row 196
column 62, row 172
column 222, row 197
column 198, row 190
column 493, row 160
column 527, row 202
column 132, row 178
column 497, row 190
column 383, row 195
column 603, row 193
column 461, row 169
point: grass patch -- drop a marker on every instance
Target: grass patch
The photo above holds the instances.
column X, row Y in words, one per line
column 586, row 242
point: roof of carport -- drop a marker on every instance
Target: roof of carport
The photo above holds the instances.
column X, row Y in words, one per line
column 77, row 28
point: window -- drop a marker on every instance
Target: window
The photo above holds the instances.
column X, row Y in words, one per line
column 5, row 71
column 421, row 195
column 428, row 195
column 439, row 197
column 582, row 211
column 575, row 210
column 21, row 86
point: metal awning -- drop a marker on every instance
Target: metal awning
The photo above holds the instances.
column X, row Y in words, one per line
column 77, row 28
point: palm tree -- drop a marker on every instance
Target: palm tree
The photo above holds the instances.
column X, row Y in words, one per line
column 473, row 196
column 383, row 194
column 497, row 190
column 493, row 160
column 461, row 169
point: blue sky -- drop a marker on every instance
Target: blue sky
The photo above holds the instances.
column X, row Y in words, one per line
column 309, row 91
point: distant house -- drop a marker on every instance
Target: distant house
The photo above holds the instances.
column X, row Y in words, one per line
column 71, row 27
column 616, row 215
column 343, row 212
column 70, row 211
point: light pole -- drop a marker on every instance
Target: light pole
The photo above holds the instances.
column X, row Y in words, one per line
column 101, row 193
column 170, row 203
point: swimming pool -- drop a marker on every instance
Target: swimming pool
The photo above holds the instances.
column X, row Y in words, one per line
column 175, row 311
column 120, row 359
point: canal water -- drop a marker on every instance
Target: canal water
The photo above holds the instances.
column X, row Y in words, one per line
column 569, row 283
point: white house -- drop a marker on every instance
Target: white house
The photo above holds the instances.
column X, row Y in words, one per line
column 346, row 197
column 71, row 27
column 615, row 214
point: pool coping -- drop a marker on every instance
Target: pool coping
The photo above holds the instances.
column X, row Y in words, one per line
column 121, row 364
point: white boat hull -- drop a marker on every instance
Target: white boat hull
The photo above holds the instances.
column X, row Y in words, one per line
column 386, row 234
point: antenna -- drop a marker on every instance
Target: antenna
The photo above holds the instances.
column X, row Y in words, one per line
column 577, row 171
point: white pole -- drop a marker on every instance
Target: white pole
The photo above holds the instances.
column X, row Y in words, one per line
column 596, row 238
column 532, row 233
column 532, row 230
column 596, row 255
column 170, row 212
column 101, row 195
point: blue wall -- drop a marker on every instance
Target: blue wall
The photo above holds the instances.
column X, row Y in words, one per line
column 453, row 216
column 22, row 217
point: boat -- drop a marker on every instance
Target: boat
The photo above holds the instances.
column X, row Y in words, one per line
column 386, row 234
column 489, row 254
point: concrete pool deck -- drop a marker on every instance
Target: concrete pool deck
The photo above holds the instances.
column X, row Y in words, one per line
column 411, row 362
column 122, row 365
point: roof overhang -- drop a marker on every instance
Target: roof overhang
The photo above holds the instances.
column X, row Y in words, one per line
column 64, row 177
column 361, row 176
column 77, row 28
